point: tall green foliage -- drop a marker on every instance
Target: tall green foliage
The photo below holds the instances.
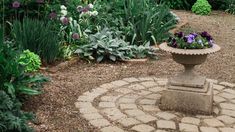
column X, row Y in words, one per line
column 141, row 21
column 38, row 37
column 178, row 4
column 14, row 83
column 149, row 22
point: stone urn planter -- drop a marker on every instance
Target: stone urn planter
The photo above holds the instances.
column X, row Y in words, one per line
column 188, row 91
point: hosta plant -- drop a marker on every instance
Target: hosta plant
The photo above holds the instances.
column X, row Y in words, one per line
column 191, row 41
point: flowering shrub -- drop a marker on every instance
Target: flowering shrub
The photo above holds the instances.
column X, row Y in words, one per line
column 201, row 7
column 191, row 41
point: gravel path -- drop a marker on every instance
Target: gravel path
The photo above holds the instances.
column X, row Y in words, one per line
column 55, row 108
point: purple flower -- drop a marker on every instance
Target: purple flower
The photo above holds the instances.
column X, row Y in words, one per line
column 85, row 9
column 40, row 1
column 204, row 34
column 179, row 34
column 52, row 15
column 174, row 43
column 16, row 4
column 64, row 20
column 190, row 38
column 210, row 43
column 75, row 36
column 194, row 34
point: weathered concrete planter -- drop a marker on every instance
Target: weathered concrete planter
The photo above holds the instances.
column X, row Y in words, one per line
column 188, row 91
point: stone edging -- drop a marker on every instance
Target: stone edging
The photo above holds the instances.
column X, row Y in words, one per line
column 131, row 104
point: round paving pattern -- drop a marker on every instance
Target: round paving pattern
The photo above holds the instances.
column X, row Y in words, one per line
column 131, row 105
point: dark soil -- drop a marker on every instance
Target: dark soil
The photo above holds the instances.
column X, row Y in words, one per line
column 55, row 108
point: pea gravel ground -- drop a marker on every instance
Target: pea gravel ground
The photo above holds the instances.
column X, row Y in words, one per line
column 55, row 108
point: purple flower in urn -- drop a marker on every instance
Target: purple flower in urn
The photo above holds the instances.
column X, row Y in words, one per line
column 179, row 34
column 194, row 34
column 174, row 43
column 206, row 35
column 210, row 43
column 190, row 38
column 16, row 4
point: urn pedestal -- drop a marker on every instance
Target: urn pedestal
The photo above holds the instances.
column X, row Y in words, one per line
column 188, row 91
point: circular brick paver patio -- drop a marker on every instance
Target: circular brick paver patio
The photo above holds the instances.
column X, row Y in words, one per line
column 131, row 105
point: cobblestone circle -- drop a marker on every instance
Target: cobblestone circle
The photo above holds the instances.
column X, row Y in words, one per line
column 131, row 105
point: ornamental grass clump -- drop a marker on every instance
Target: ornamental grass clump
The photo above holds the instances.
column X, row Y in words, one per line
column 191, row 41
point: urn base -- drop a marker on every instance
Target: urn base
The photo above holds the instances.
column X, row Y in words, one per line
column 187, row 100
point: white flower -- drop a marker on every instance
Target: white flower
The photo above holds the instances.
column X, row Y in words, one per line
column 90, row 6
column 62, row 18
column 62, row 7
column 94, row 13
column 64, row 12
column 70, row 19
column 79, row 8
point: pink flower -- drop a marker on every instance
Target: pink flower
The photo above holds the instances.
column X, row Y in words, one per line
column 64, row 20
column 40, row 1
column 52, row 15
column 75, row 36
column 16, row 4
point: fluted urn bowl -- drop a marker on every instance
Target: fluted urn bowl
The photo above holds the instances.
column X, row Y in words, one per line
column 189, row 58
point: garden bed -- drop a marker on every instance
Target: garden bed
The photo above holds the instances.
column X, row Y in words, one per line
column 55, row 108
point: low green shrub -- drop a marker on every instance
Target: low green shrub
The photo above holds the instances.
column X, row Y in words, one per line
column 30, row 60
column 108, row 45
column 201, row 7
column 38, row 37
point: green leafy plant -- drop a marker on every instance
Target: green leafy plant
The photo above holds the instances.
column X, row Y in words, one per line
column 201, row 7
column 14, row 83
column 149, row 22
column 103, row 46
column 143, row 51
column 38, row 37
column 30, row 60
column 12, row 119
column 108, row 45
